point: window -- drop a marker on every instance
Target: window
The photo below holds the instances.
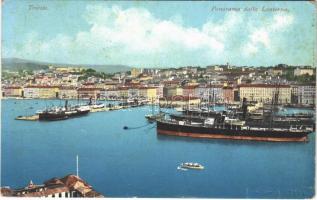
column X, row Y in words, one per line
column 53, row 195
column 66, row 194
column 60, row 195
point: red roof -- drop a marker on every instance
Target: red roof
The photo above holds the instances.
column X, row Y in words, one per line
column 190, row 87
column 67, row 88
column 88, row 89
column 12, row 87
column 264, row 85
column 41, row 86
column 123, row 88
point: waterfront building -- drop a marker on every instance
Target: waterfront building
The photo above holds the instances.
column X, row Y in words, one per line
column 211, row 92
column 189, row 90
column 123, row 92
column 264, row 92
column 294, row 94
column 66, row 187
column 303, row 71
column 159, row 91
column 12, row 91
column 89, row 92
column 179, row 101
column 133, row 92
column 306, row 94
column 68, row 92
column 111, row 93
column 48, row 92
column 228, row 94
column 148, row 92
column 31, row 92
column 172, row 91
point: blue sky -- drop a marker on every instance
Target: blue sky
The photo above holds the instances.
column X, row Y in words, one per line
column 159, row 34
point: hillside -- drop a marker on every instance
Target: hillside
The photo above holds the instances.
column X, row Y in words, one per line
column 16, row 64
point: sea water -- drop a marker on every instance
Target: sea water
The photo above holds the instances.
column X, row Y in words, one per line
column 139, row 163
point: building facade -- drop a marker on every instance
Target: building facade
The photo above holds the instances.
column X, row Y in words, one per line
column 307, row 94
column 31, row 92
column 48, row 92
column 213, row 93
column 303, row 71
column 264, row 93
column 12, row 91
column 68, row 92
column 89, row 92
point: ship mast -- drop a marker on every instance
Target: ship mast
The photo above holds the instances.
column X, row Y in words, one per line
column 274, row 103
column 77, row 168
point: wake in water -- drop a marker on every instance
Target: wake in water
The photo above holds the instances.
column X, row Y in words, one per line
column 182, row 169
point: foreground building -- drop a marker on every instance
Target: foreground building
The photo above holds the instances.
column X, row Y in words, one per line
column 68, row 186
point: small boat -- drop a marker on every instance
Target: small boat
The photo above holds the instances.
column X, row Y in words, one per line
column 97, row 106
column 153, row 118
column 192, row 166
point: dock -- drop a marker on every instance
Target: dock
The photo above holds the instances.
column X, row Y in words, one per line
column 28, row 118
column 93, row 110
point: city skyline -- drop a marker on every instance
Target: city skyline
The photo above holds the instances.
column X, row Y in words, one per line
column 157, row 34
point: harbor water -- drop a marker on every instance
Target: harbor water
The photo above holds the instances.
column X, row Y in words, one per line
column 138, row 163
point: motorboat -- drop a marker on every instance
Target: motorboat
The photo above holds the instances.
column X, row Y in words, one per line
column 189, row 165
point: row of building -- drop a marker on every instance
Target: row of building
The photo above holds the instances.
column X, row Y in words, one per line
column 297, row 94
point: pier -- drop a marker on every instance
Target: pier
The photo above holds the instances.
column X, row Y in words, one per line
column 35, row 117
column 28, row 118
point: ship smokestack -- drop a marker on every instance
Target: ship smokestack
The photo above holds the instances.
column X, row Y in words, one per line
column 244, row 108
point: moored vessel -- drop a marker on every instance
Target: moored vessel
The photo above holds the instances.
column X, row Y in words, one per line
column 190, row 165
column 62, row 113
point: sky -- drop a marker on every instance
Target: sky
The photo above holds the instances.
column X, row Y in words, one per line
column 158, row 33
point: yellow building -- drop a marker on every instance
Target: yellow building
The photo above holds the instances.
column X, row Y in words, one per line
column 12, row 91
column 263, row 93
column 148, row 92
column 145, row 78
column 48, row 92
column 110, row 85
column 135, row 72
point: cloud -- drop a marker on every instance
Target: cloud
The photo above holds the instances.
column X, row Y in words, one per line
column 134, row 36
column 260, row 38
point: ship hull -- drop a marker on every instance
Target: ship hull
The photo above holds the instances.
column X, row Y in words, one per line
column 52, row 116
column 226, row 133
column 61, row 116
